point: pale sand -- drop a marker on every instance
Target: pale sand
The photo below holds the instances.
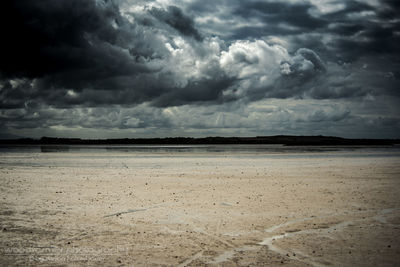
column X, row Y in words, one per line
column 186, row 210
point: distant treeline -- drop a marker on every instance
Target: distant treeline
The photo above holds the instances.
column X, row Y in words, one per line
column 278, row 139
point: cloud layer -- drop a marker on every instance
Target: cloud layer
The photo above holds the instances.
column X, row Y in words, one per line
column 199, row 68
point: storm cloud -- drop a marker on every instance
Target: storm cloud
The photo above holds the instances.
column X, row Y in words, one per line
column 174, row 17
column 135, row 67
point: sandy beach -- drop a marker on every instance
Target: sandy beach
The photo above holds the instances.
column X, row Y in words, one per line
column 188, row 209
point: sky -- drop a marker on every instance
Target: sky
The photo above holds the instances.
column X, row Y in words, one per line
column 163, row 68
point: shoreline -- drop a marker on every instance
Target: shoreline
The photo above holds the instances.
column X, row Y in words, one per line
column 287, row 140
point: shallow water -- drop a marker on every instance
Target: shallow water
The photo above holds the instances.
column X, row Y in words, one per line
column 195, row 156
column 201, row 149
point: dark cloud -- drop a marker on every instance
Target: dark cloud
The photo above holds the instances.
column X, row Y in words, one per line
column 174, row 17
column 348, row 13
column 355, row 29
column 251, row 32
column 209, row 90
column 322, row 115
column 208, row 6
column 389, row 9
column 353, row 38
column 360, row 29
column 193, row 65
column 47, row 37
column 375, row 40
column 346, row 29
column 296, row 15
column 65, row 45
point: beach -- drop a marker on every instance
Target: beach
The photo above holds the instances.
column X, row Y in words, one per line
column 216, row 207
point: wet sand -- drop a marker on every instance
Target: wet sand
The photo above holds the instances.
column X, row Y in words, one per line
column 75, row 209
